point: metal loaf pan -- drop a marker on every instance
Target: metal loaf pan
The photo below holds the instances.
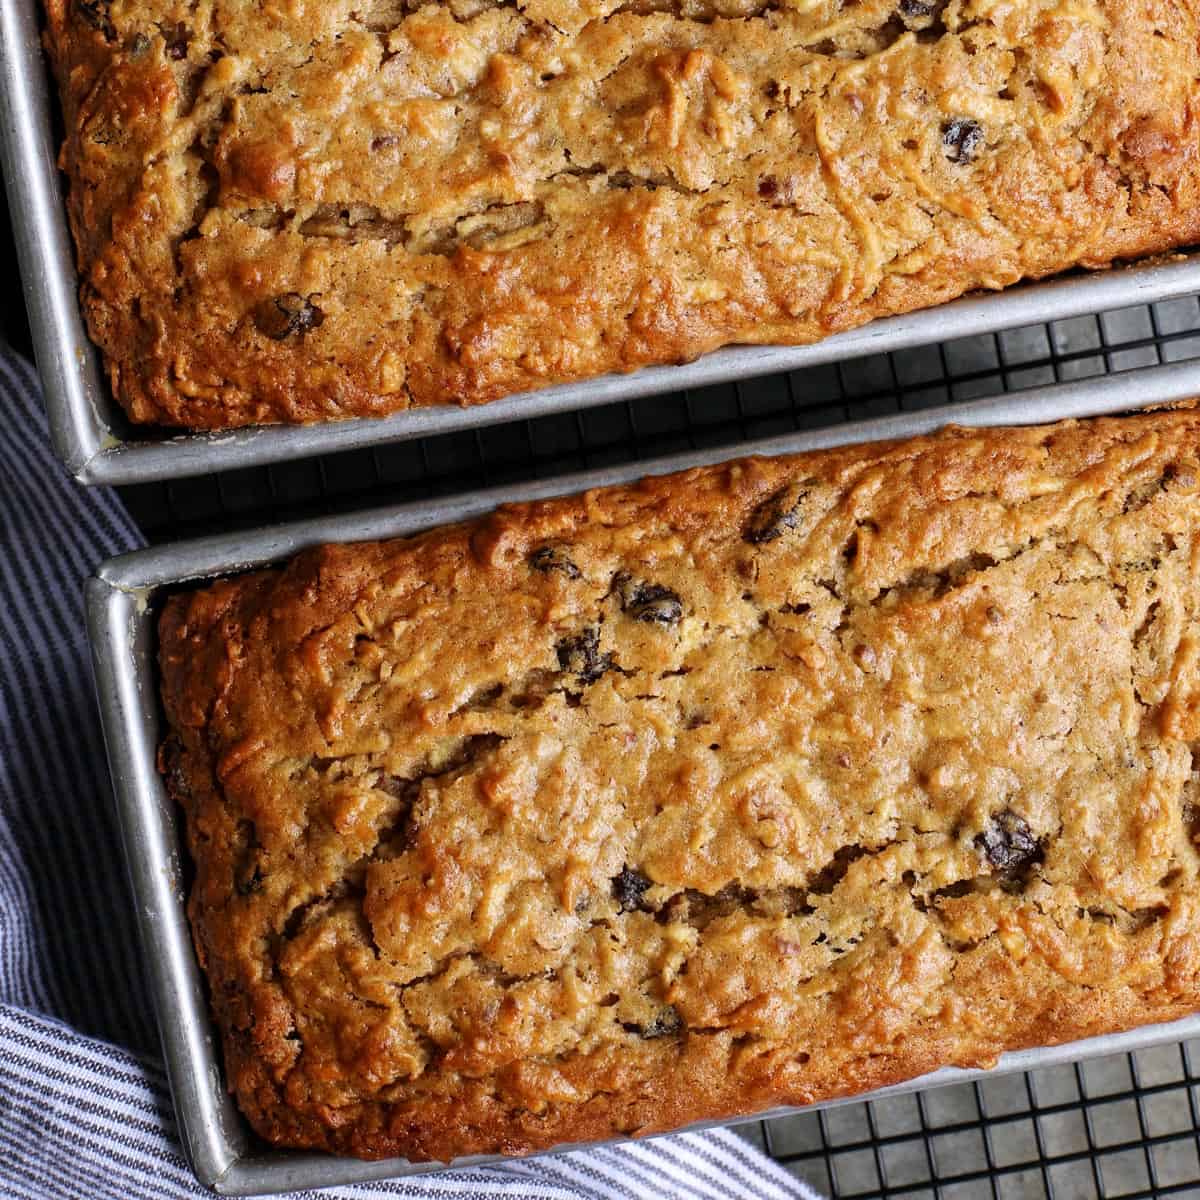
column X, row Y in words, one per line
column 96, row 442
column 122, row 601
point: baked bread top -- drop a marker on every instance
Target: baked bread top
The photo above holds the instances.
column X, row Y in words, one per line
column 760, row 784
column 326, row 208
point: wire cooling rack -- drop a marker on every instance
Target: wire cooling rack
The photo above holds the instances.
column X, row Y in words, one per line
column 632, row 430
column 1127, row 1126
column 1124, row 1126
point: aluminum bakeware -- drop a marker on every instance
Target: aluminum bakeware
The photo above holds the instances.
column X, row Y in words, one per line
column 122, row 603
column 99, row 445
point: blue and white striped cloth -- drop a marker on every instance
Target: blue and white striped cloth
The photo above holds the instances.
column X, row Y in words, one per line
column 84, row 1105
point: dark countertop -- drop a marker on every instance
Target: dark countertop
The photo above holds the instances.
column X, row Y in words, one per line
column 13, row 327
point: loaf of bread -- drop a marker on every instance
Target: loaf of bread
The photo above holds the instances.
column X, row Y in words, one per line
column 332, row 208
column 761, row 784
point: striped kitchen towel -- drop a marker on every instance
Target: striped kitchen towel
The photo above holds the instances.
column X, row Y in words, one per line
column 84, row 1105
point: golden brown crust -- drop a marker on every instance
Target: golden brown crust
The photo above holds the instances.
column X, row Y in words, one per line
column 351, row 207
column 760, row 784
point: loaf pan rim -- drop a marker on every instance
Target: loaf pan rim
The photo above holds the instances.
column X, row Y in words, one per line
column 121, row 599
column 92, row 437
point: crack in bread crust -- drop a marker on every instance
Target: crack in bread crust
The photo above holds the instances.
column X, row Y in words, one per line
column 766, row 783
column 481, row 198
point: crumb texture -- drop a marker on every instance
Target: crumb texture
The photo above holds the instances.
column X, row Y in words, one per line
column 318, row 209
column 770, row 782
